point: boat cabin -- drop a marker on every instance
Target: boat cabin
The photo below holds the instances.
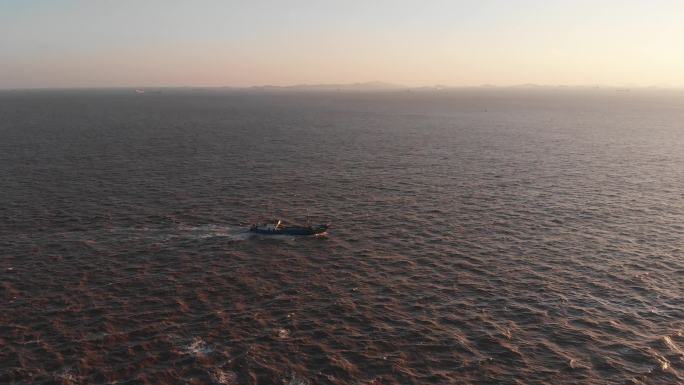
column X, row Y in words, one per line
column 273, row 226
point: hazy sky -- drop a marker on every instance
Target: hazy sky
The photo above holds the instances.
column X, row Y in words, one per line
column 61, row 43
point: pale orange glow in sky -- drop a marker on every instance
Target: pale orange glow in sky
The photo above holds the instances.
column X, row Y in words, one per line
column 239, row 43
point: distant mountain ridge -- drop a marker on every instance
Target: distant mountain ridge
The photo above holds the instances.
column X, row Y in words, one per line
column 385, row 86
column 365, row 86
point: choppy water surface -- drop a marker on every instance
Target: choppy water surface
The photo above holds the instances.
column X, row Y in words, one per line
column 513, row 237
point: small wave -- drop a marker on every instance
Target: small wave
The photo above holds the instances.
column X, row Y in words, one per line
column 198, row 347
column 67, row 376
column 295, row 380
column 282, row 333
column 672, row 346
column 224, row 377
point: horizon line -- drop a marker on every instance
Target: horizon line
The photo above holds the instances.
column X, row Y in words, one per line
column 359, row 86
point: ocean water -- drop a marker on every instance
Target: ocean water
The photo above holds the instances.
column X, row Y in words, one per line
column 478, row 237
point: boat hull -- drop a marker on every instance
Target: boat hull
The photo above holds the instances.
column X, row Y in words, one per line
column 291, row 230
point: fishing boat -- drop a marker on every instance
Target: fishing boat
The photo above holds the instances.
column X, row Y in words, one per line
column 277, row 227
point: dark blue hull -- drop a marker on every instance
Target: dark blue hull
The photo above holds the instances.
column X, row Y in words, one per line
column 291, row 230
